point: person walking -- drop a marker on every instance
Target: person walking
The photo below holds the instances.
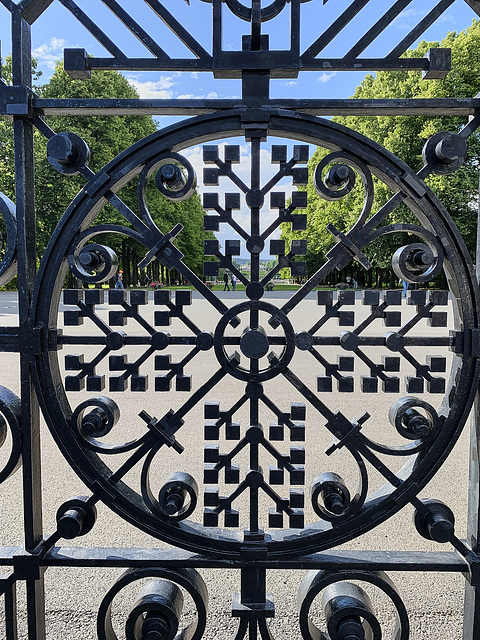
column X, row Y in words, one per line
column 225, row 279
column 234, row 281
column 119, row 283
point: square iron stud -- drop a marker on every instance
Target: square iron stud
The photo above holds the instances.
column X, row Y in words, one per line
column 297, row 454
column 117, row 318
column 345, row 384
column 117, row 296
column 210, row 154
column 346, row 318
column 299, row 199
column 232, row 247
column 74, row 362
column 297, row 475
column 210, row 518
column 414, row 385
column 74, row 383
column 232, row 201
column 210, row 200
column 162, row 297
column 211, row 431
column 210, row 496
column 436, row 385
column 438, row 298
column 346, row 297
column 210, row 177
column 417, row 297
column 139, row 297
column 301, row 153
column 297, row 519
column 276, row 432
column 117, row 363
column 324, row 384
column 72, row 318
column 163, row 362
column 371, row 298
column 211, row 410
column 391, row 363
column 300, row 176
column 437, row 364
column 276, row 476
column 94, row 296
column 298, row 247
column 72, row 296
column 211, row 247
column 162, row 318
column 183, row 383
column 391, row 385
column 299, row 222
column 437, row 319
column 117, row 383
column 297, row 432
column 211, row 269
column 393, row 297
column 298, row 411
column 368, row 384
column 297, row 499
column 163, row 383
column 392, row 318
column 210, row 474
column 232, row 474
column 279, row 153
column 211, row 453
column 232, row 153
column 211, row 223
column 139, row 383
column 183, row 298
column 277, row 200
column 232, row 431
column 277, row 248
column 346, row 363
column 95, row 383
column 298, row 269
column 325, row 298
column 232, row 518
column 275, row 519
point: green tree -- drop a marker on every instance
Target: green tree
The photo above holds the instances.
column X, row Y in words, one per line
column 405, row 136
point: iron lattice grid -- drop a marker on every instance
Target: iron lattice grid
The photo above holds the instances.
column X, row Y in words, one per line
column 38, row 342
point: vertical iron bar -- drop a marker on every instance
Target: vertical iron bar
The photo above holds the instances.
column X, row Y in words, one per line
column 30, row 419
column 471, row 611
column 11, row 630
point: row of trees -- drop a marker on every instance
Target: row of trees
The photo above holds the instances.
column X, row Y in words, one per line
column 106, row 136
column 405, row 136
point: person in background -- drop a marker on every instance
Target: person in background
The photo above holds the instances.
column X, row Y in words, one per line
column 234, row 281
column 405, row 287
column 119, row 283
column 225, row 279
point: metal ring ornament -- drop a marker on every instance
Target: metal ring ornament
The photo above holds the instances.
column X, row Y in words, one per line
column 315, row 536
column 188, row 579
column 267, row 13
column 403, row 268
column 315, row 583
column 8, row 264
column 106, row 262
column 10, row 415
column 445, row 152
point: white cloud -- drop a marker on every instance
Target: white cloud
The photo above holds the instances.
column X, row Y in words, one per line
column 326, row 76
column 290, row 83
column 191, row 96
column 50, row 52
column 154, row 89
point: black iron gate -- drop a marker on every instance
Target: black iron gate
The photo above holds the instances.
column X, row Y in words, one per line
column 120, row 376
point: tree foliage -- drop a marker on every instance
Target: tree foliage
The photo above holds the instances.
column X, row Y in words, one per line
column 405, row 136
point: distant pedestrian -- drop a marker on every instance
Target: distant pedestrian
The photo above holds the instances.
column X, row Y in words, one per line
column 404, row 283
column 234, row 281
column 225, row 280
column 119, row 283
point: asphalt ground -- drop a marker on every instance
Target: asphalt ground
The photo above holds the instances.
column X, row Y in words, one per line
column 73, row 596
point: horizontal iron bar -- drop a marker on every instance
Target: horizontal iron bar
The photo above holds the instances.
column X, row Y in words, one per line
column 318, row 107
column 447, row 561
column 9, row 339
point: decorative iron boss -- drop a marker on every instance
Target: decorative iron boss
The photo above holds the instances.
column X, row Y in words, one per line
column 264, row 491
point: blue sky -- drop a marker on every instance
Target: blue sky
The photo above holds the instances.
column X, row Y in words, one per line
column 57, row 29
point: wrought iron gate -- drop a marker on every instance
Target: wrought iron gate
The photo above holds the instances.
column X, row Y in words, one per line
column 200, row 481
